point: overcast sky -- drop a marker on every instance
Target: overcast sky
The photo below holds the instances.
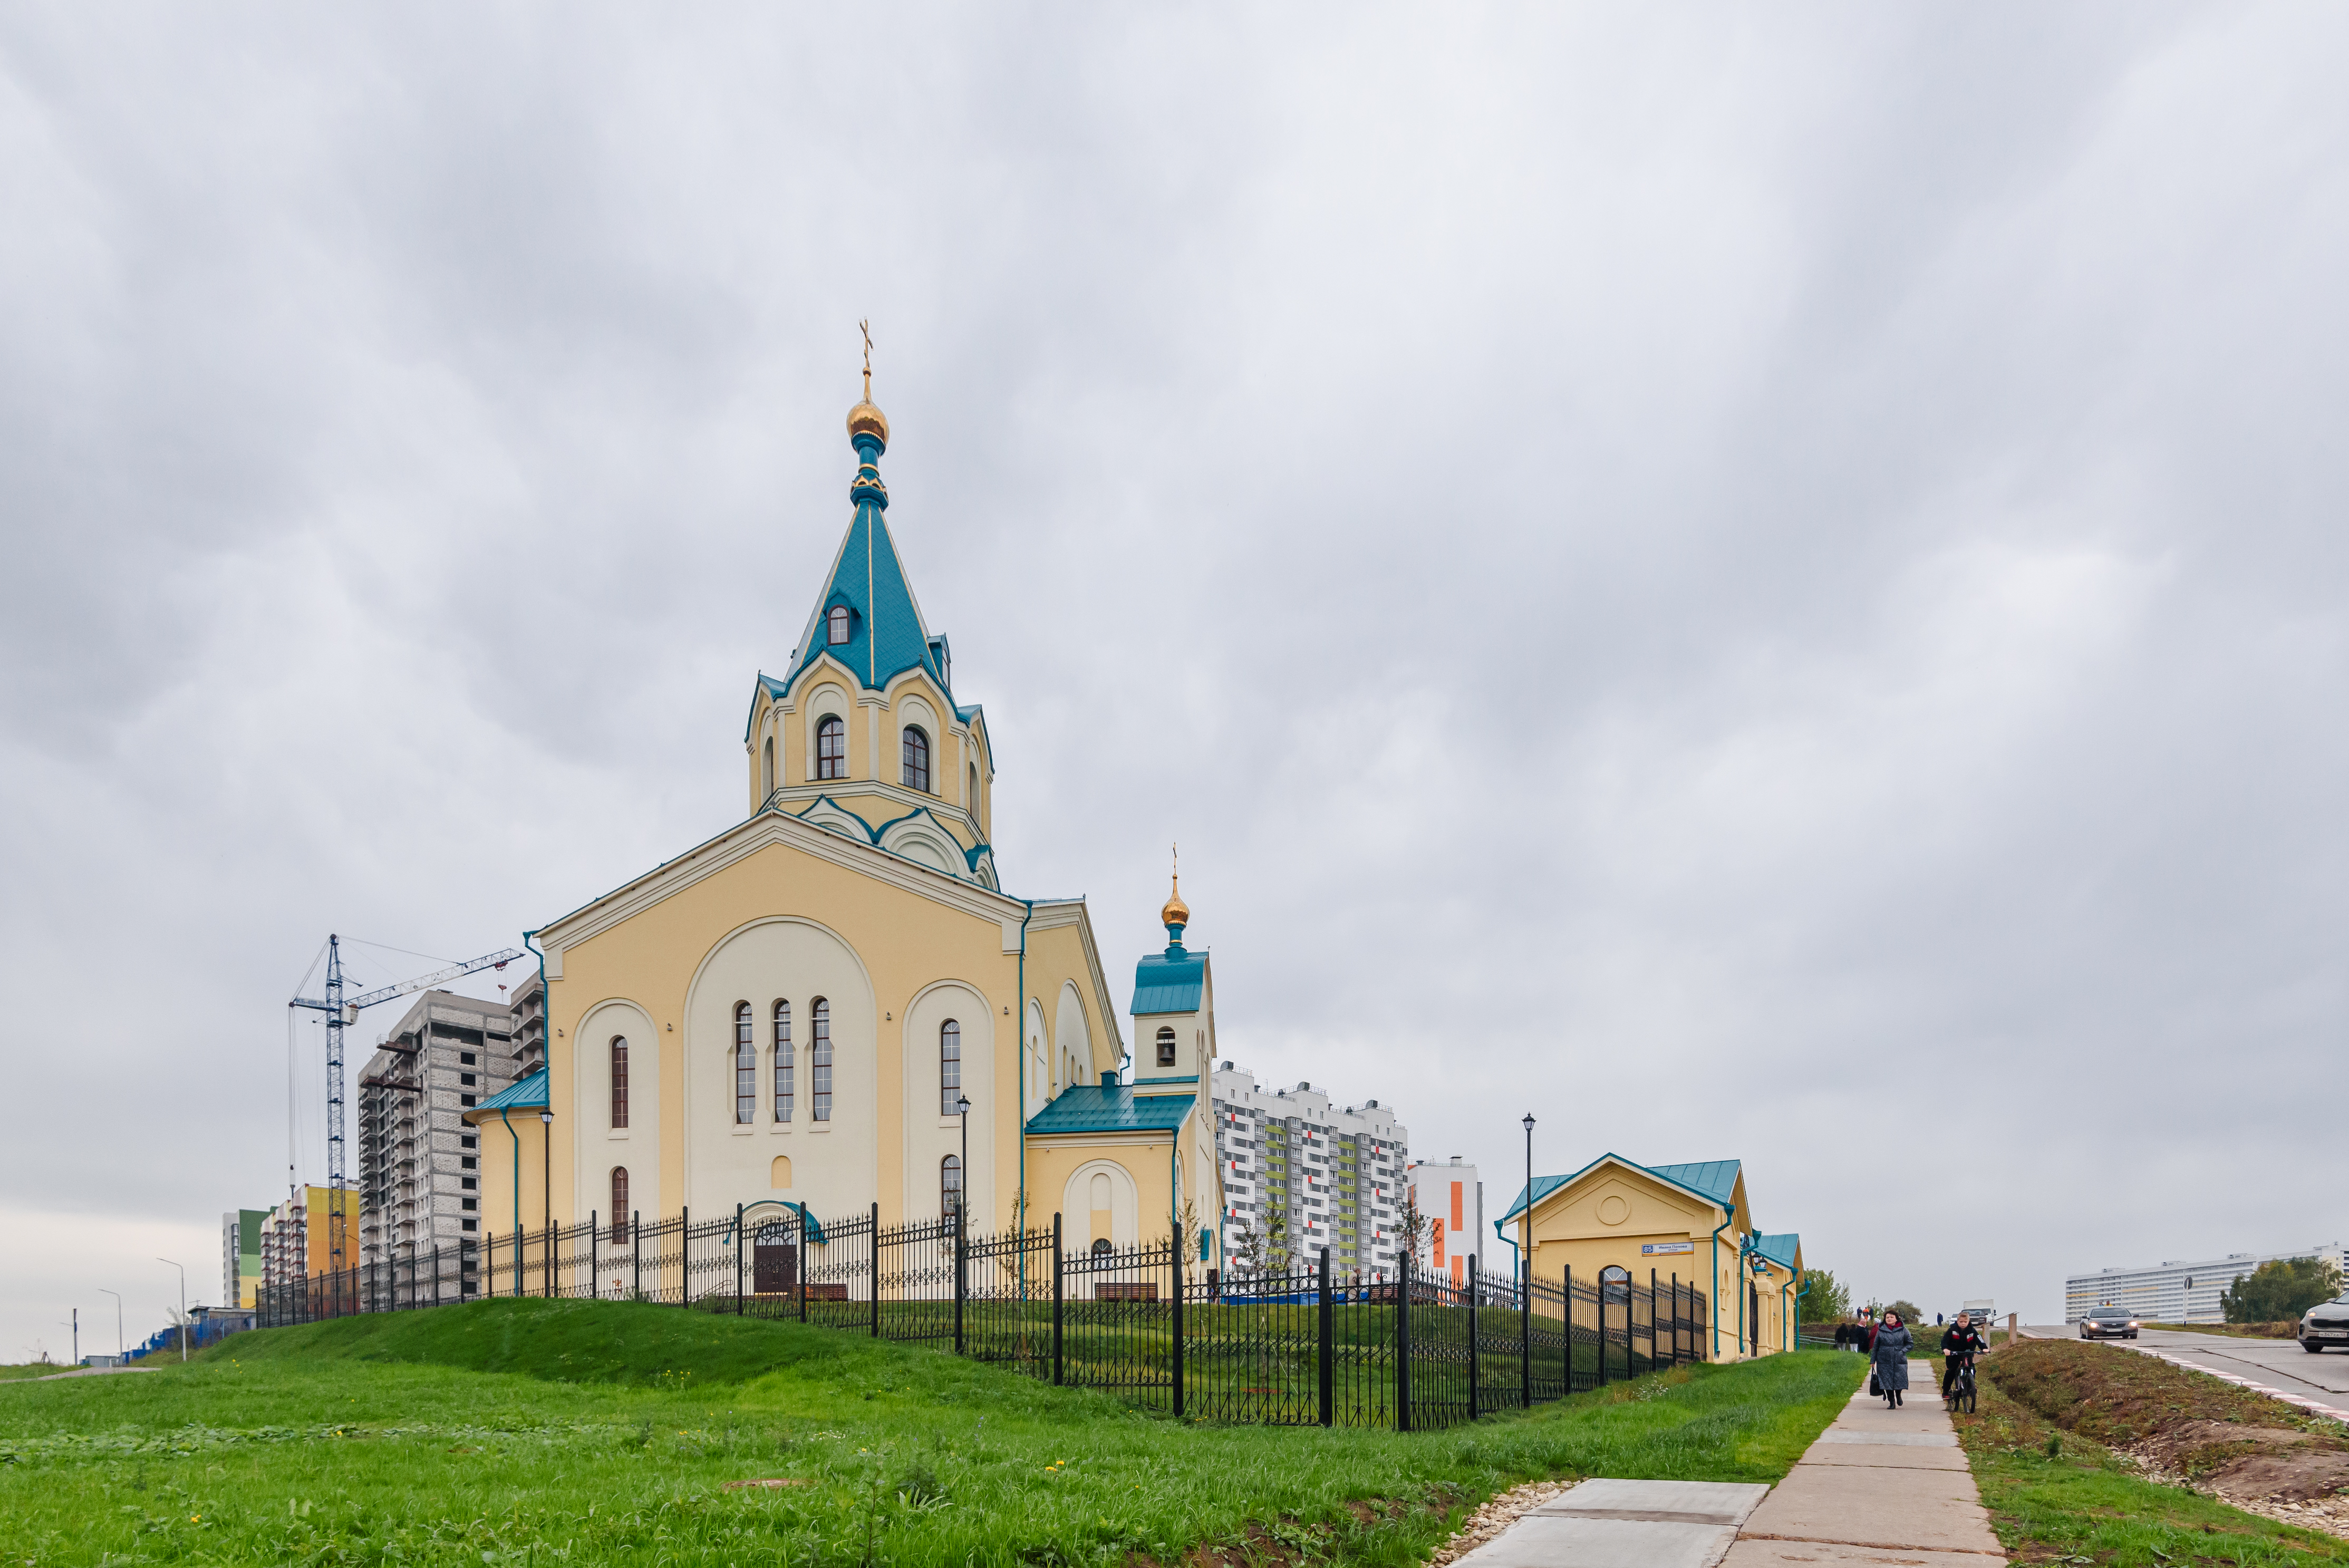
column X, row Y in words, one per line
column 1761, row 583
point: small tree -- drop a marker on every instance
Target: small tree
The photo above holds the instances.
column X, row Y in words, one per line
column 2279, row 1290
column 1412, row 1229
column 1247, row 1251
column 1277, row 1252
column 1187, row 1229
column 1908, row 1310
column 1826, row 1299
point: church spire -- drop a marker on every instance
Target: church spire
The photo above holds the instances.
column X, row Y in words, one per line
column 1176, row 914
column 867, row 618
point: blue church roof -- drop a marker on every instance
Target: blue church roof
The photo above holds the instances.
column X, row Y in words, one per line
column 1712, row 1179
column 1780, row 1249
column 526, row 1093
column 1169, row 982
column 1110, row 1108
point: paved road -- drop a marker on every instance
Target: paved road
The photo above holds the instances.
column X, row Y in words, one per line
column 2280, row 1364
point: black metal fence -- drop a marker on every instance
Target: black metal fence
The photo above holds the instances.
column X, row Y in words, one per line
column 1294, row 1348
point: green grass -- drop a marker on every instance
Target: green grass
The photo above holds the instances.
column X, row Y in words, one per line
column 31, row 1369
column 580, row 1432
column 2082, row 1502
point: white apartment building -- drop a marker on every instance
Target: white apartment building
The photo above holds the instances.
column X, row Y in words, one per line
column 1332, row 1176
column 1452, row 1201
column 2174, row 1292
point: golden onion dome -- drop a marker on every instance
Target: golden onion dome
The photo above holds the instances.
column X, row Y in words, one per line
column 1177, row 912
column 866, row 419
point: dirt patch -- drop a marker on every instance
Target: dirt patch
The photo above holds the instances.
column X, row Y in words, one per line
column 2121, row 1398
column 2186, row 1429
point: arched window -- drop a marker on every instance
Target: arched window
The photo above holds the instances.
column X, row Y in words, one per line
column 970, row 787
column 835, row 626
column 1166, row 1047
column 831, row 747
column 746, row 1066
column 767, row 770
column 820, row 1065
column 620, row 1081
column 783, row 1062
column 916, row 774
column 1101, row 1247
column 951, row 1184
column 950, row 1066
column 619, row 1203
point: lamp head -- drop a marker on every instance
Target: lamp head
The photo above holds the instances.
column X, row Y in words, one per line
column 1529, row 1121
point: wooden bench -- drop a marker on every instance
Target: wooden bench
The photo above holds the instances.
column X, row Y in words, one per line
column 1125, row 1290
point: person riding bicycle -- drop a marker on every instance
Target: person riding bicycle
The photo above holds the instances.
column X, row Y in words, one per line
column 1959, row 1345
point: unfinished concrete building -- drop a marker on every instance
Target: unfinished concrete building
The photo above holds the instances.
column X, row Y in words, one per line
column 419, row 1166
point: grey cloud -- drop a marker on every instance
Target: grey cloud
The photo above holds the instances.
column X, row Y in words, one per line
column 1652, row 563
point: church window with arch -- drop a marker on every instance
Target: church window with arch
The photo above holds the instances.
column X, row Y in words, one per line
column 620, row 1081
column 783, row 1061
column 1167, row 1047
column 950, row 1066
column 831, row 747
column 767, row 770
column 820, row 1061
column 619, row 1203
column 746, row 1067
column 951, row 1184
column 835, row 626
column 916, row 774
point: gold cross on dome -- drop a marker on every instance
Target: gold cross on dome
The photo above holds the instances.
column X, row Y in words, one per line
column 867, row 328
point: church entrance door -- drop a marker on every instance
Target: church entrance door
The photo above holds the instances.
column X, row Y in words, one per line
column 774, row 1262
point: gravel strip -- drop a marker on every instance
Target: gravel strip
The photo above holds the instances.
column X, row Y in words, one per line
column 1497, row 1514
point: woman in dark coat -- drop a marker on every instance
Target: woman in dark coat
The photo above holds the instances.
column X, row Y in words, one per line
column 1889, row 1358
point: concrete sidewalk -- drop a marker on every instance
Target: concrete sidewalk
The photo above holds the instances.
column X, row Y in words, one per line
column 1879, row 1487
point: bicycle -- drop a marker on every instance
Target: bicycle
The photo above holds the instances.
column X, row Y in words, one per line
column 1960, row 1398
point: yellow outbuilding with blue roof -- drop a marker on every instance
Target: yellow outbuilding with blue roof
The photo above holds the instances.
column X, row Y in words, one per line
column 1688, row 1224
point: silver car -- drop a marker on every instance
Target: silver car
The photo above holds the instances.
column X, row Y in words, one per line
column 2326, row 1323
column 2108, row 1323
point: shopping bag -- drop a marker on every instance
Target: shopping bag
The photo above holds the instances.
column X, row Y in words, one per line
column 1875, row 1389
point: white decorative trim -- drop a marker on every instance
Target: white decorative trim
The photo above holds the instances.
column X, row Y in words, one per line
column 746, row 839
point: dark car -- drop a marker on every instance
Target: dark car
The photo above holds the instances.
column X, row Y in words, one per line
column 2108, row 1323
column 2326, row 1323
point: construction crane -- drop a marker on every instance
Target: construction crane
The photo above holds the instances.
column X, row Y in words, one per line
column 341, row 1011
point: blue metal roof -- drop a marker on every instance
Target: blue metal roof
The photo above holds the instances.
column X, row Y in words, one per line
column 886, row 634
column 527, row 1093
column 1169, row 982
column 1714, row 1180
column 1112, row 1108
column 1780, row 1249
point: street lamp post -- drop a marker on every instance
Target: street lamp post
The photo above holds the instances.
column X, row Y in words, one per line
column 962, row 1193
column 962, row 1227
column 546, row 1189
column 184, row 1307
column 118, row 1322
column 1526, row 1285
column 1526, row 1253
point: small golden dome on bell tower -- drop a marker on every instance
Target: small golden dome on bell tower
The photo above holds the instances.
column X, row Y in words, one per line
column 1176, row 914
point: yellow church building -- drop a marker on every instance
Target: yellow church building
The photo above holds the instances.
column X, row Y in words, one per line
column 1690, row 1223
column 800, row 1011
